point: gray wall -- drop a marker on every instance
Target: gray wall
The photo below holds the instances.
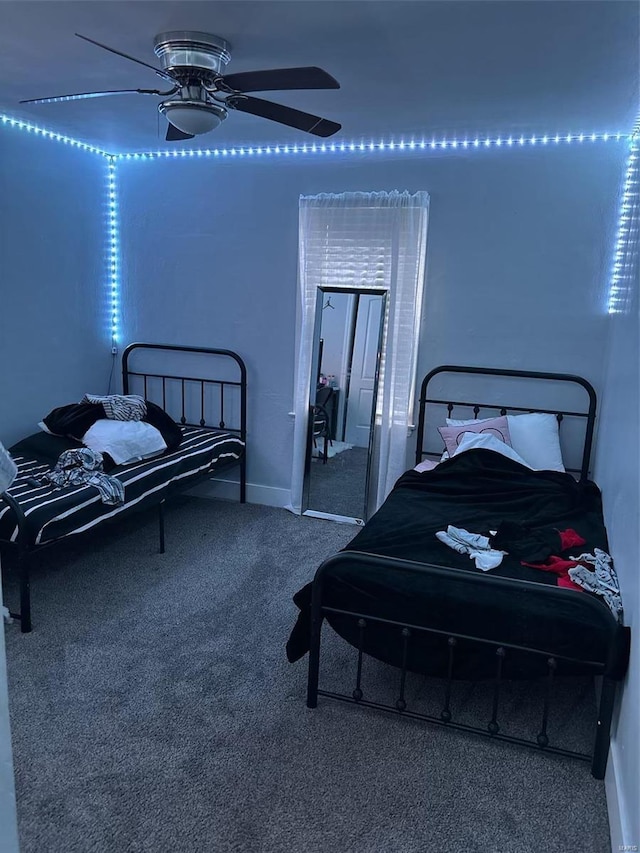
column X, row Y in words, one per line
column 54, row 343
column 617, row 466
column 519, row 246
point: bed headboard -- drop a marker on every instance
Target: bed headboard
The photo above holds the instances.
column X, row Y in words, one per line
column 215, row 399
column 586, row 413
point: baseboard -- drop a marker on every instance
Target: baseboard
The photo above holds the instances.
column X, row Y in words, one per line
column 229, row 490
column 619, row 828
column 330, row 516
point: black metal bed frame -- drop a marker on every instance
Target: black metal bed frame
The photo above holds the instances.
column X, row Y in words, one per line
column 25, row 549
column 406, row 632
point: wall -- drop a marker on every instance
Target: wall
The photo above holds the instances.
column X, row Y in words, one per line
column 617, row 466
column 53, row 312
column 519, row 244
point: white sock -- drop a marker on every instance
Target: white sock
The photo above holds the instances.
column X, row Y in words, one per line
column 486, row 560
column 474, row 540
column 458, row 546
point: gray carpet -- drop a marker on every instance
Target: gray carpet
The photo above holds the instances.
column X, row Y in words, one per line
column 338, row 486
column 153, row 709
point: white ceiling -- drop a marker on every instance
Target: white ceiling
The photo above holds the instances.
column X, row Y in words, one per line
column 405, row 68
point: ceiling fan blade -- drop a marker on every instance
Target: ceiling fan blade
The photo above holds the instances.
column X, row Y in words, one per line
column 81, row 95
column 160, row 73
column 281, row 78
column 176, row 135
column 284, row 115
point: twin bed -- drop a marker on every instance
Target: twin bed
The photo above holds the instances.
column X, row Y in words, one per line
column 398, row 594
column 199, row 388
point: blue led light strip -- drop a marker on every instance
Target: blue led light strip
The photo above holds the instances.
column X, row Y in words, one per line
column 412, row 145
column 628, row 221
column 625, row 258
column 447, row 143
column 7, row 121
column 113, row 257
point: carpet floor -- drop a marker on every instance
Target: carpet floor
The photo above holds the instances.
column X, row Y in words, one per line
column 338, row 486
column 153, row 709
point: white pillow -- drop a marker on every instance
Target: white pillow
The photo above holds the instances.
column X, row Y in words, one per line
column 124, row 441
column 534, row 436
column 486, row 441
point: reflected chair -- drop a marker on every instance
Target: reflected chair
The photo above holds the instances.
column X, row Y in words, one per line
column 321, row 420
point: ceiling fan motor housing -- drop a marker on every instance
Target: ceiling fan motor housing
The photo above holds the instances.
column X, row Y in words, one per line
column 182, row 51
column 195, row 60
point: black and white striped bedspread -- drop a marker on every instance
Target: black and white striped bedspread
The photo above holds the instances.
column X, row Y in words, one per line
column 55, row 513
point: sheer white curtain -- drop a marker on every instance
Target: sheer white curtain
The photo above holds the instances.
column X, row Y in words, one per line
column 365, row 240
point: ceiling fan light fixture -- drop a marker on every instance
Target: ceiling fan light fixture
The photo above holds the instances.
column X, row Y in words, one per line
column 193, row 118
column 200, row 94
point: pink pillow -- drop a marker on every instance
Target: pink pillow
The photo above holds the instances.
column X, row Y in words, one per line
column 425, row 465
column 498, row 427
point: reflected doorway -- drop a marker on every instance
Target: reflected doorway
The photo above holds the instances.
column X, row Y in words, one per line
column 348, row 339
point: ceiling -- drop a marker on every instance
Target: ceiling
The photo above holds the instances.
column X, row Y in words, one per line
column 406, row 68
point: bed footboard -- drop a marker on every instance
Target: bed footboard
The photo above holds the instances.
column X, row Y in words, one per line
column 406, row 634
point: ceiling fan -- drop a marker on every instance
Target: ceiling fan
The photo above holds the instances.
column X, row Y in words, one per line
column 200, row 96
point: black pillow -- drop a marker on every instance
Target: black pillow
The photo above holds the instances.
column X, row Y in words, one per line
column 164, row 423
column 73, row 420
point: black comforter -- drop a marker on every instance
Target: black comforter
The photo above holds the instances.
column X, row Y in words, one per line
column 478, row 490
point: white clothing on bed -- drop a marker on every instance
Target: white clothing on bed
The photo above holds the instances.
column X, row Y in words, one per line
column 474, row 544
column 8, row 469
column 486, row 441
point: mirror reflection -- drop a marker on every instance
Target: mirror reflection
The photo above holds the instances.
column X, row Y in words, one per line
column 348, row 339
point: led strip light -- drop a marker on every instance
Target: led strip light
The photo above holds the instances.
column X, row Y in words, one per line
column 49, row 134
column 446, row 144
column 625, row 258
column 628, row 220
column 113, row 258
